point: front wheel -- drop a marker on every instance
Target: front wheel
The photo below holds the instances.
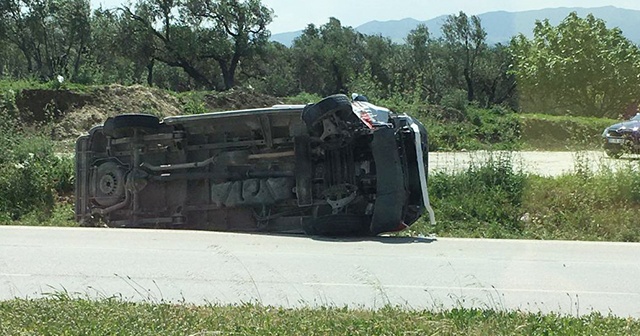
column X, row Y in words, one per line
column 314, row 114
column 330, row 120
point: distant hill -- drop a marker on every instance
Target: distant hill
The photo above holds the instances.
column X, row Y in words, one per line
column 500, row 26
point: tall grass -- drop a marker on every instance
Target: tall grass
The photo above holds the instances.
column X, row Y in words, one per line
column 540, row 131
column 585, row 205
column 492, row 199
column 485, row 200
column 64, row 316
column 33, row 176
column 459, row 127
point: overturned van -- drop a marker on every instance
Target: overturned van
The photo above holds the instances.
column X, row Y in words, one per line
column 336, row 167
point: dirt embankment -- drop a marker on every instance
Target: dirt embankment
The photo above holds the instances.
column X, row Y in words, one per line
column 71, row 113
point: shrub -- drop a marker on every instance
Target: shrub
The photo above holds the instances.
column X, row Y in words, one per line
column 483, row 201
column 493, row 200
column 303, row 98
column 562, row 132
column 32, row 175
column 456, row 99
column 585, row 206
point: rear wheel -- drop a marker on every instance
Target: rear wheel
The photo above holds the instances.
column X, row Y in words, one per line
column 125, row 124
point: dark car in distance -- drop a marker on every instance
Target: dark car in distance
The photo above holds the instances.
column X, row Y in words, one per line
column 622, row 138
column 340, row 166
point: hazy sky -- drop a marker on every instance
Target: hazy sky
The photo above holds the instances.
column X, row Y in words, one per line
column 294, row 15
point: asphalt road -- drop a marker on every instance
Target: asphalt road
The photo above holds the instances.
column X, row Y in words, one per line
column 207, row 267
column 540, row 163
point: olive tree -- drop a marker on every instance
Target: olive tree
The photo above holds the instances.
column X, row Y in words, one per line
column 466, row 40
column 578, row 67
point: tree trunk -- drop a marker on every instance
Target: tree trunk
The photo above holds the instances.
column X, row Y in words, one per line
column 76, row 63
column 229, row 72
column 150, row 65
column 469, row 81
column 229, row 79
column 197, row 76
column 338, row 77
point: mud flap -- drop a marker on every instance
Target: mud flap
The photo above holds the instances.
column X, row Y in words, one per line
column 303, row 171
column 391, row 193
column 82, row 181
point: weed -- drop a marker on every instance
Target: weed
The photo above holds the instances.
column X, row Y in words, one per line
column 32, row 175
column 584, row 206
column 540, row 131
column 303, row 98
column 492, row 199
column 64, row 315
column 483, row 201
column 193, row 102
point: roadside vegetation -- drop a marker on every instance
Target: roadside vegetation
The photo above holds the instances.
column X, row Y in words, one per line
column 493, row 199
column 61, row 315
column 549, row 132
column 36, row 182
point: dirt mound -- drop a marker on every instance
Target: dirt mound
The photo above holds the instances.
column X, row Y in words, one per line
column 238, row 99
column 112, row 100
column 38, row 105
column 70, row 113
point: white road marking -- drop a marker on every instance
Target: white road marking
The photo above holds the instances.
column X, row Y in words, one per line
column 492, row 289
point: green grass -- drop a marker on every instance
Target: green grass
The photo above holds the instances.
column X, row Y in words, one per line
column 16, row 85
column 483, row 201
column 456, row 127
column 546, row 132
column 601, row 206
column 471, row 128
column 302, row 98
column 494, row 200
column 62, row 214
column 32, row 175
column 61, row 315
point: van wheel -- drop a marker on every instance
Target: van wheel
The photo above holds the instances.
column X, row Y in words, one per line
column 313, row 114
column 123, row 125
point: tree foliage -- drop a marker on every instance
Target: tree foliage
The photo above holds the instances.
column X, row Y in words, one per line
column 206, row 38
column 328, row 58
column 466, row 39
column 421, row 68
column 580, row 67
column 51, row 35
column 220, row 44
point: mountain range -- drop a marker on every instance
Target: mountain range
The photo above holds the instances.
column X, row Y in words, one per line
column 500, row 25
